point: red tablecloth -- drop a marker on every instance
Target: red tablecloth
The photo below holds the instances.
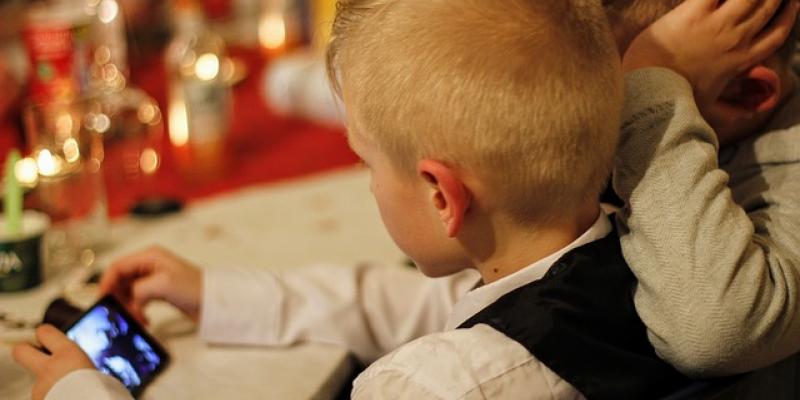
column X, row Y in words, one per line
column 263, row 147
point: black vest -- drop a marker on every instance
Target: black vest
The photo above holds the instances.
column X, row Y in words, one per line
column 580, row 321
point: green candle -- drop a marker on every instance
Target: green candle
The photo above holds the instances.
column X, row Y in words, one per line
column 12, row 201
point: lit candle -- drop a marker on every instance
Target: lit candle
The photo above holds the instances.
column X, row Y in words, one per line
column 272, row 30
column 207, row 67
column 178, row 123
column 27, row 172
column 48, row 164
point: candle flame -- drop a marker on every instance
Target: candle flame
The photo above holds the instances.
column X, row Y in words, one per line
column 272, row 31
column 207, row 67
column 48, row 164
column 178, row 123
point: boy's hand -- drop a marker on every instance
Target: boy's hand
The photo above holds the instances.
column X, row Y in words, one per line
column 711, row 43
column 66, row 357
column 154, row 274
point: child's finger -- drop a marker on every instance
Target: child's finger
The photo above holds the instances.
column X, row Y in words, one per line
column 738, row 10
column 29, row 357
column 694, row 8
column 52, row 339
column 769, row 41
column 756, row 22
column 137, row 312
column 147, row 289
column 124, row 269
column 142, row 291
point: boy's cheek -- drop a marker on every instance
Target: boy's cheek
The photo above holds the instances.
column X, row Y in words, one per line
column 442, row 260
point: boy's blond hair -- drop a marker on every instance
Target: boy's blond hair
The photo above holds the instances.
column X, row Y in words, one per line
column 524, row 94
column 631, row 17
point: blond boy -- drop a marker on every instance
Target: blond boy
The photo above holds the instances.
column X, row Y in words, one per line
column 489, row 129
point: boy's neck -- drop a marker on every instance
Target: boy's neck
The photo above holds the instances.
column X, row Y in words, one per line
column 518, row 247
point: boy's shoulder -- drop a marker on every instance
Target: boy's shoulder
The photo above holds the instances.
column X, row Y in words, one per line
column 462, row 364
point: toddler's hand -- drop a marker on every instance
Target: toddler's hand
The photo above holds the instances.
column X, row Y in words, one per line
column 65, row 357
column 711, row 43
column 154, row 274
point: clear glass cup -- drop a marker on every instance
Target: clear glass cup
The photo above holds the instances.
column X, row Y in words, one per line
column 70, row 187
column 131, row 127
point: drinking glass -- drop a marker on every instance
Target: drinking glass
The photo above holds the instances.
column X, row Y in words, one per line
column 70, row 186
column 131, row 127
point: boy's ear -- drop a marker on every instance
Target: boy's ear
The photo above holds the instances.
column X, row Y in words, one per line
column 757, row 90
column 449, row 195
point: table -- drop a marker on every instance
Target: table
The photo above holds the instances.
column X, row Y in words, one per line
column 278, row 226
column 263, row 146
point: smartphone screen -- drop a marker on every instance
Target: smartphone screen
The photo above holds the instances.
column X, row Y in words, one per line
column 118, row 345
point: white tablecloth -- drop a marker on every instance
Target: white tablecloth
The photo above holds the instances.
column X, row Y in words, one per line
column 330, row 217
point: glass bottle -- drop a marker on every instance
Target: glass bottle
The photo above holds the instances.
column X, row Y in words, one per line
column 109, row 64
column 57, row 36
column 126, row 120
column 199, row 95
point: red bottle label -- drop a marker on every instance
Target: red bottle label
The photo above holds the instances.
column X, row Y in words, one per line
column 218, row 9
column 52, row 56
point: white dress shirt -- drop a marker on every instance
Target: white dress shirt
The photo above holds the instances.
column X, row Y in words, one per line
column 373, row 310
column 474, row 363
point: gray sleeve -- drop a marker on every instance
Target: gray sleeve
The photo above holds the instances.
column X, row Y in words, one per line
column 718, row 283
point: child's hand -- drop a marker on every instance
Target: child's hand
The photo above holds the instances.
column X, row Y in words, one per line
column 66, row 357
column 154, row 274
column 710, row 44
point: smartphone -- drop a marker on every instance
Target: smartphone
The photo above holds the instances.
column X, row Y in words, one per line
column 118, row 345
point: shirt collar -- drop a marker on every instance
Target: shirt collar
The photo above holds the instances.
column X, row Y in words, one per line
column 483, row 296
